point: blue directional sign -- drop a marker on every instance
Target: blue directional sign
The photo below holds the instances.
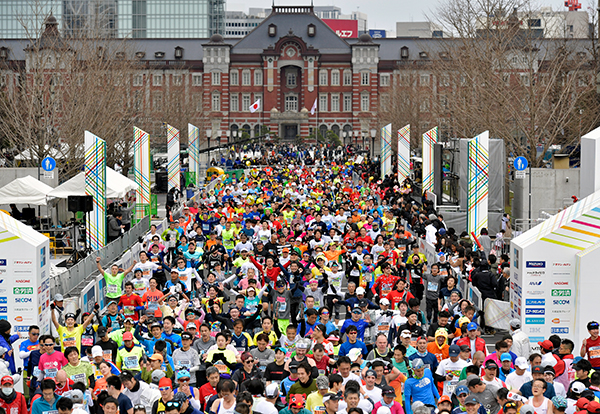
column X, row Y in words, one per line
column 520, row 163
column 48, row 164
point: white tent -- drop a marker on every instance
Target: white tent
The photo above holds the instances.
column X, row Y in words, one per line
column 117, row 185
column 25, row 190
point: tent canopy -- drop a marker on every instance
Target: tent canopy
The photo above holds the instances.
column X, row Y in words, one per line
column 25, row 190
column 117, row 186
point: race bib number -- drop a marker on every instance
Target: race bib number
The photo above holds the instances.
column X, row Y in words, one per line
column 185, row 363
column 385, row 292
column 139, row 286
column 128, row 311
column 67, row 342
column 50, row 412
column 383, row 327
column 112, row 288
column 221, row 367
column 107, row 354
column 131, row 362
column 87, row 340
column 282, row 304
column 51, row 372
column 152, row 306
column 594, row 352
column 432, row 286
column 78, row 378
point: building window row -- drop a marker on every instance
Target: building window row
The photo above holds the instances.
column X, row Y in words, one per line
column 246, row 101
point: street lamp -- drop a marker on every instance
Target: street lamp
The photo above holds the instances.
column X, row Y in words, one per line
column 373, row 135
column 208, row 135
column 344, row 135
column 356, row 134
column 228, row 133
column 364, row 134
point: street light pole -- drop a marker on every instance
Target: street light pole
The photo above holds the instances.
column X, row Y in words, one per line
column 373, row 134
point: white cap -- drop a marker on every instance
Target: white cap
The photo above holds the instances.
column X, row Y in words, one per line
column 405, row 334
column 354, row 354
column 97, row 351
column 360, row 290
column 384, row 301
column 58, row 297
column 384, row 410
column 521, row 363
column 272, row 391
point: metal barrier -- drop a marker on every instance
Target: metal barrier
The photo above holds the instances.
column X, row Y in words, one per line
column 74, row 279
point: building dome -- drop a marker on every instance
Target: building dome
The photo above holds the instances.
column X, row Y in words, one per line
column 216, row 38
column 365, row 38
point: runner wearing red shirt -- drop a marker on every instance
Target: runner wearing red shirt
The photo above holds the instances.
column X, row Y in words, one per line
column 591, row 345
column 385, row 282
column 399, row 294
column 210, row 388
column 130, row 303
column 152, row 296
column 63, row 383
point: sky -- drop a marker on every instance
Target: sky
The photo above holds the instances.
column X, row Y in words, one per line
column 382, row 14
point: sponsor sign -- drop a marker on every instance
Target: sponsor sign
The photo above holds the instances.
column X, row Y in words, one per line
column 23, row 291
column 535, row 283
column 3, row 309
column 559, row 320
column 536, row 339
column 343, row 28
column 561, row 302
column 23, row 262
column 23, row 300
column 535, row 321
column 377, row 33
column 21, row 328
column 561, row 292
column 2, row 262
column 561, row 311
column 561, row 264
column 535, row 292
column 560, row 283
column 535, row 264
column 559, row 330
column 535, row 330
column 23, row 281
column 3, row 300
column 535, row 302
column 535, row 311
column 535, row 273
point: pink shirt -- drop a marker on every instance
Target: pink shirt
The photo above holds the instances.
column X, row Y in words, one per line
column 396, row 408
column 50, row 364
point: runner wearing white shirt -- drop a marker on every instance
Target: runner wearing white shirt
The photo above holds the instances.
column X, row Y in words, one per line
column 451, row 368
column 519, row 376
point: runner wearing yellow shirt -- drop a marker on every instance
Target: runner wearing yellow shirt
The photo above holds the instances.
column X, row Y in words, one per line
column 70, row 335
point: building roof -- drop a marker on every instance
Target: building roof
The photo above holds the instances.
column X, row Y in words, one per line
column 292, row 20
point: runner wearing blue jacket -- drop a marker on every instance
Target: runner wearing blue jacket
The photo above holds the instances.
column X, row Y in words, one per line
column 421, row 387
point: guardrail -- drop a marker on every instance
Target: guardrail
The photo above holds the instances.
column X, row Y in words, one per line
column 73, row 279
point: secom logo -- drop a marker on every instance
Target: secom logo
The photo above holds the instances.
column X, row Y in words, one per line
column 561, row 302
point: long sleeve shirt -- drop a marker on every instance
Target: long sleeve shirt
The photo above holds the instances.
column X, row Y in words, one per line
column 422, row 389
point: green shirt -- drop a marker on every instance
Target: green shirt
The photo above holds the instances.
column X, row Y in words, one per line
column 228, row 238
column 113, row 284
column 80, row 373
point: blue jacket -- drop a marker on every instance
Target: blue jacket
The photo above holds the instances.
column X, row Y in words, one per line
column 361, row 325
column 429, row 360
column 40, row 405
column 422, row 389
column 10, row 358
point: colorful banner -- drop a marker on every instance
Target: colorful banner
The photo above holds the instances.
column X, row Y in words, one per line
column 95, row 185
column 403, row 153
column 173, row 166
column 344, row 28
column 193, row 148
column 430, row 138
column 141, row 172
column 386, row 150
column 477, row 196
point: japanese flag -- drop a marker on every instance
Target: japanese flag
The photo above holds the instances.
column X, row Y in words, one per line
column 314, row 107
column 255, row 106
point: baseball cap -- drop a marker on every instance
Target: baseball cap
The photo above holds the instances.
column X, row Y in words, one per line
column 370, row 373
column 465, row 348
column 582, row 403
column 179, row 397
column 384, row 301
column 272, row 391
column 157, row 375
column 360, row 290
column 405, row 334
column 69, row 315
column 363, row 302
column 384, row 410
column 75, row 395
column 505, row 357
column 521, row 363
column 97, row 351
column 515, row 323
column 165, row 382
column 322, row 382
column 187, row 335
column 473, row 400
column 491, row 364
column 157, row 357
column 7, row 379
column 549, row 370
column 578, row 387
column 357, row 309
column 547, row 345
column 127, row 336
column 445, row 398
column 590, row 325
column 559, row 402
column 388, row 390
column 583, row 364
column 537, row 370
column 461, row 389
column 354, row 354
column 472, row 326
column 417, row 363
column 184, row 373
column 333, row 338
column 331, row 397
column 102, row 331
column 59, row 298
column 454, row 350
column 527, row 409
column 473, row 380
column 593, row 407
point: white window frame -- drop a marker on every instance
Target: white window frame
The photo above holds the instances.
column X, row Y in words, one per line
column 246, row 102
column 215, row 78
column 234, row 78
column 157, row 79
column 292, row 104
column 347, row 77
column 246, row 78
column 177, row 80
column 258, row 77
column 365, row 78
column 323, row 77
column 138, row 80
column 323, row 102
column 335, row 102
column 347, row 102
column 196, row 79
column 234, row 105
column 335, row 77
column 365, row 104
column 215, row 102
column 291, row 76
column 384, row 80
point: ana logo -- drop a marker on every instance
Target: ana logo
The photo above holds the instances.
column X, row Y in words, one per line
column 561, row 283
column 561, row 292
column 22, row 300
column 535, row 292
column 2, row 262
column 561, row 330
column 535, row 321
column 535, row 311
column 535, row 302
column 535, row 330
column 535, row 264
column 23, row 281
column 535, row 283
column 23, row 291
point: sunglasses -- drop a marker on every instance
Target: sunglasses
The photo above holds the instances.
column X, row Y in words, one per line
column 172, row 404
column 183, row 380
column 164, row 388
column 324, row 313
column 35, row 334
column 139, row 407
column 48, row 344
column 352, row 333
column 249, row 361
